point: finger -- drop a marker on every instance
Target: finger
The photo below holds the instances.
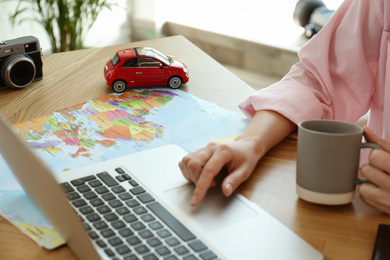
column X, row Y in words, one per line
column 373, row 138
column 184, row 170
column 376, row 176
column 192, row 164
column 375, row 197
column 235, row 178
column 212, row 168
column 380, row 159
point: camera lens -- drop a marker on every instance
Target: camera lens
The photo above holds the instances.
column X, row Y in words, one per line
column 18, row 71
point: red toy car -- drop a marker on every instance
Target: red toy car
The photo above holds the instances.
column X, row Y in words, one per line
column 143, row 66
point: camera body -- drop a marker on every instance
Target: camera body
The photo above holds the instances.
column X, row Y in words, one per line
column 20, row 62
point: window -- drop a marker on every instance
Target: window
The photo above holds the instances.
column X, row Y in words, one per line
column 148, row 63
column 130, row 63
column 115, row 60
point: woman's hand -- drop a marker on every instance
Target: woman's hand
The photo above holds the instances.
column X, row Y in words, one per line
column 203, row 165
column 267, row 128
column 377, row 193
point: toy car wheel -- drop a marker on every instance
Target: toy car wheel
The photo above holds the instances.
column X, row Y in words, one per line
column 119, row 86
column 175, row 82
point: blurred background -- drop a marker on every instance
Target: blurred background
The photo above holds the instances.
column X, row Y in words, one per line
column 255, row 39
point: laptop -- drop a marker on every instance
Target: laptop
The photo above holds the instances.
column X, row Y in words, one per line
column 137, row 207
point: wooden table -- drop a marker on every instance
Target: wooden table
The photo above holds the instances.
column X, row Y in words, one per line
column 342, row 232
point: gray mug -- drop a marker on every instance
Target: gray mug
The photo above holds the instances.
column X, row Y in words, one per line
column 328, row 157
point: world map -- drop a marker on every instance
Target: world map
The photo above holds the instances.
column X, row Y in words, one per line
column 106, row 128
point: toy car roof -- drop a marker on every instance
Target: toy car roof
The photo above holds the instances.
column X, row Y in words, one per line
column 140, row 51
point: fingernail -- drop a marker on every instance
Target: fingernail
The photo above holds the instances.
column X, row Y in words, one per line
column 229, row 189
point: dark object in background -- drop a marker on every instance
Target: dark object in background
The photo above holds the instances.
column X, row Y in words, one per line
column 382, row 243
column 311, row 15
column 20, row 62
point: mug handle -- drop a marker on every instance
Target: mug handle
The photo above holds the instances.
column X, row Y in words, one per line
column 370, row 145
column 362, row 146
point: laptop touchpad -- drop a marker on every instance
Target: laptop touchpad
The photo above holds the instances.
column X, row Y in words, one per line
column 216, row 211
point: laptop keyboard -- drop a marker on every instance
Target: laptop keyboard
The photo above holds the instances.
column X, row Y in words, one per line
column 129, row 223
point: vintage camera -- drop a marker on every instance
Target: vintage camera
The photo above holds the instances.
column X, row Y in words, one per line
column 20, row 62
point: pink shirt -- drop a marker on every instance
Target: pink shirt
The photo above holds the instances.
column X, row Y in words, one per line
column 341, row 74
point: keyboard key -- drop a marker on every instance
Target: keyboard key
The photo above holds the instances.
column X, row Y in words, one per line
column 101, row 243
column 126, row 232
column 125, row 196
column 90, row 195
column 150, row 257
column 81, row 181
column 120, row 178
column 137, row 190
column 190, row 257
column 109, row 252
column 79, row 203
column 131, row 257
column 118, row 224
column 133, row 240
column 163, row 250
column 148, row 217
column 115, row 241
column 171, row 221
column 67, row 187
column 86, row 210
column 108, row 196
column 133, row 183
column 122, row 211
column 171, row 257
column 93, row 235
column 122, row 250
column 130, row 218
column 101, row 190
column 72, row 196
column 145, row 198
column 164, row 233
column 126, row 177
column 95, row 183
column 197, row 246
column 77, row 182
column 181, row 250
column 97, row 202
column 103, row 209
column 155, row 225
column 146, row 234
column 142, row 249
column 137, row 226
column 87, row 226
column 107, row 179
column 93, row 217
column 172, row 241
column 115, row 203
column 107, row 233
column 83, row 188
column 118, row 189
column 208, row 255
column 140, row 210
column 132, row 203
column 100, row 225
column 120, row 170
column 111, row 216
column 154, row 242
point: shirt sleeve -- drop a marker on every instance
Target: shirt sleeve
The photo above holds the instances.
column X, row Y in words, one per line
column 335, row 76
